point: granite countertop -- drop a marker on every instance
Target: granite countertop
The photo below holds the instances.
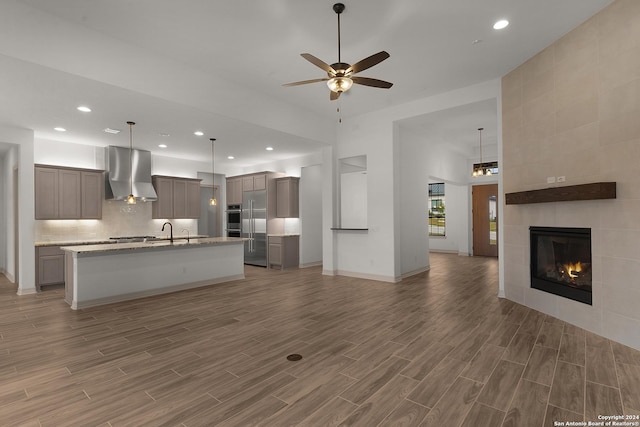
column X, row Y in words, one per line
column 156, row 244
column 104, row 241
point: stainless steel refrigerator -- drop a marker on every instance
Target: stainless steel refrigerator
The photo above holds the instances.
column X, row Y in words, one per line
column 254, row 227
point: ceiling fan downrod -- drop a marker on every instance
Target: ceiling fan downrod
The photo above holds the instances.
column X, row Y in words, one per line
column 338, row 8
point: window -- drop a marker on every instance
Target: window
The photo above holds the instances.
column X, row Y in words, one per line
column 436, row 210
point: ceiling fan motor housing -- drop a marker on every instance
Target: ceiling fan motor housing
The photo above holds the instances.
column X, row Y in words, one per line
column 342, row 69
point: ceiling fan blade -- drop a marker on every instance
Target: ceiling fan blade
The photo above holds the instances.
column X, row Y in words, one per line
column 368, row 62
column 318, row 63
column 304, row 82
column 366, row 81
column 334, row 95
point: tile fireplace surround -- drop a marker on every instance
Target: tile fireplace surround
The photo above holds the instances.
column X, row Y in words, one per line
column 572, row 110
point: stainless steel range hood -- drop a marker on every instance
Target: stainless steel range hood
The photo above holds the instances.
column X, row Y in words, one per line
column 117, row 174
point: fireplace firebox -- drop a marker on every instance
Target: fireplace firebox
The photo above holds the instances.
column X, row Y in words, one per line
column 561, row 261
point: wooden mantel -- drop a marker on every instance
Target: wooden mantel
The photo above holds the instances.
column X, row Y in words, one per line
column 593, row 191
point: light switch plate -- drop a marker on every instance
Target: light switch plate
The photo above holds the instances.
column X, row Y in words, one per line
column 551, row 179
column 560, row 179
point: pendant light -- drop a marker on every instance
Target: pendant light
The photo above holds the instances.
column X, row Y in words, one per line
column 479, row 171
column 131, row 199
column 212, row 200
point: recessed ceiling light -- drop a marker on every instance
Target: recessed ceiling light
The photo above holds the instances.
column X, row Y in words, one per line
column 269, row 148
column 476, row 41
column 198, row 133
column 59, row 129
column 163, row 134
column 230, row 157
column 499, row 25
column 113, row 131
column 162, row 145
column 84, row 109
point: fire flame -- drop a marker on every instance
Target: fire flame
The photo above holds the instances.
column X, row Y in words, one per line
column 571, row 269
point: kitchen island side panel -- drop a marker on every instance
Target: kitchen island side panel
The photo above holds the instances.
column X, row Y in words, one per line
column 114, row 276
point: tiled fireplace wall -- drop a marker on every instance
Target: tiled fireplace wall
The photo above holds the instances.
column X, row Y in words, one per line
column 573, row 110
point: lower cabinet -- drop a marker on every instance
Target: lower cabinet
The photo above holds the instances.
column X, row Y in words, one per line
column 284, row 251
column 50, row 266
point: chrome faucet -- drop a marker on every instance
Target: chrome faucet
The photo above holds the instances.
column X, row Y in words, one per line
column 183, row 230
column 171, row 228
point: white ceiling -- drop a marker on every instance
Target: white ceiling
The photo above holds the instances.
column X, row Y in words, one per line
column 218, row 66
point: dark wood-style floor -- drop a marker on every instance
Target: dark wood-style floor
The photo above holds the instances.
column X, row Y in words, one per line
column 438, row 349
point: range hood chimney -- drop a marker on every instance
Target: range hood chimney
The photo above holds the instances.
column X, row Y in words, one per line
column 117, row 174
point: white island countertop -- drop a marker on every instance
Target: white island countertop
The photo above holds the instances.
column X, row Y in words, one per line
column 108, row 273
column 153, row 244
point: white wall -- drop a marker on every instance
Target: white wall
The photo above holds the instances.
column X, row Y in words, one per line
column 11, row 222
column 5, row 205
column 431, row 160
column 21, row 156
column 311, row 215
column 369, row 254
column 374, row 254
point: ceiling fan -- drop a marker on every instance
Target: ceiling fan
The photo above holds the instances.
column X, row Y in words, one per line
column 340, row 75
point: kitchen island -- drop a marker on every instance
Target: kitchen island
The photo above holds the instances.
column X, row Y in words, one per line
column 107, row 273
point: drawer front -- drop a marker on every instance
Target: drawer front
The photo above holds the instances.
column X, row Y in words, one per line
column 50, row 250
column 276, row 240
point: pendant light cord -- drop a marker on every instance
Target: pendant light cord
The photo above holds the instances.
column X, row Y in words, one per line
column 212, row 167
column 481, row 165
column 131, row 156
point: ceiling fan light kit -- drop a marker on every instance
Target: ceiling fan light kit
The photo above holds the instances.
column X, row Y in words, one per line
column 340, row 74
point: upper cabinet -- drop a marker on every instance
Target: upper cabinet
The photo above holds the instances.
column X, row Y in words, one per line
column 68, row 193
column 254, row 182
column 234, row 191
column 177, row 197
column 237, row 185
column 287, row 197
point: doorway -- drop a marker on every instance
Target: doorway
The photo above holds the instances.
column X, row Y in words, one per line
column 485, row 220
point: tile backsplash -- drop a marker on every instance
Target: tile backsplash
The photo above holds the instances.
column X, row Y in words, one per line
column 118, row 219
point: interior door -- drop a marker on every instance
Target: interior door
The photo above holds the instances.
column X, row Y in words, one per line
column 485, row 220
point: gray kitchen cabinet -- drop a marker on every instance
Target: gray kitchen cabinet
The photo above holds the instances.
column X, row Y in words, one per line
column 67, row 193
column 163, row 207
column 193, row 199
column 46, row 193
column 254, row 182
column 50, row 266
column 234, row 191
column 92, row 193
column 284, row 251
column 287, row 197
column 177, row 197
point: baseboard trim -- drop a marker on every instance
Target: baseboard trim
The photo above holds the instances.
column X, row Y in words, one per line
column 75, row 305
column 414, row 272
column 311, row 264
column 26, row 291
column 376, row 277
column 8, row 275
